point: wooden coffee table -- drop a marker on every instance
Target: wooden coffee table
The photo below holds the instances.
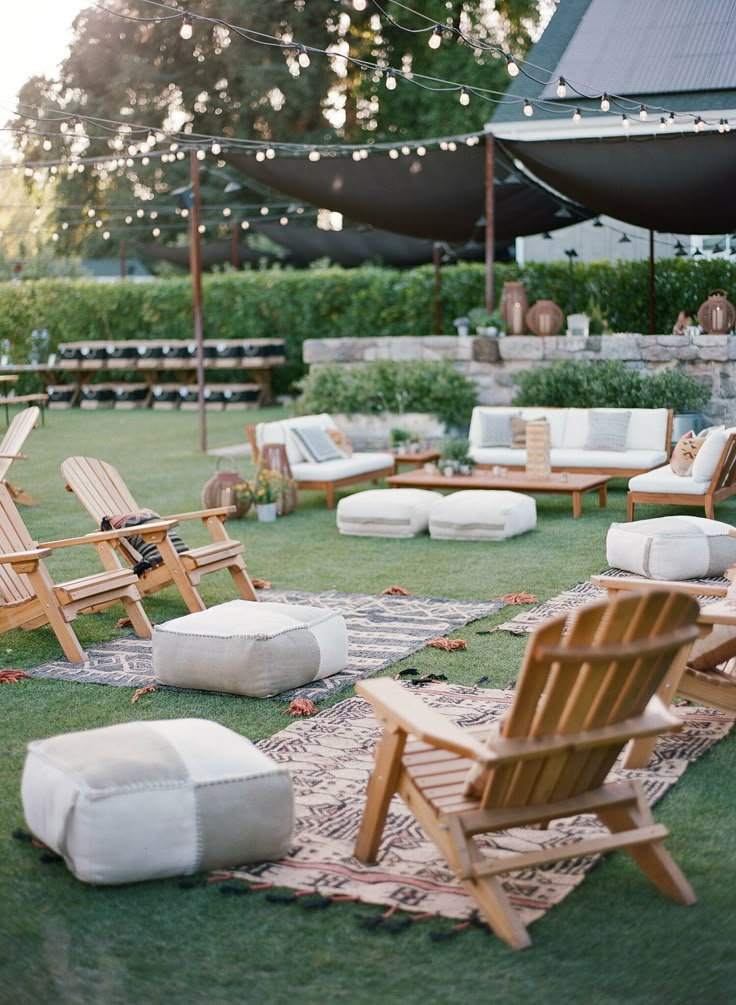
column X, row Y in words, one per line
column 557, row 483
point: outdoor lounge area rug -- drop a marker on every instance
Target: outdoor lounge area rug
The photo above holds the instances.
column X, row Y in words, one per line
column 330, row 757
column 381, row 630
column 569, row 600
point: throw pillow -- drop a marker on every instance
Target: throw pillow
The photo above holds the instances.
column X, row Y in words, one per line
column 341, row 441
column 706, row 461
column 684, row 453
column 495, row 430
column 518, row 432
column 317, row 444
column 607, row 430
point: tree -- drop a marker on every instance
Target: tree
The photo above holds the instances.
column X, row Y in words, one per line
column 133, row 81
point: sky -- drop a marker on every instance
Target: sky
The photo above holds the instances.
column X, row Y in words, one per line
column 50, row 22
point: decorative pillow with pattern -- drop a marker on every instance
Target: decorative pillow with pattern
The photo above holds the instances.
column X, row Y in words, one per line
column 607, row 430
column 495, row 430
column 341, row 441
column 684, row 453
column 316, row 444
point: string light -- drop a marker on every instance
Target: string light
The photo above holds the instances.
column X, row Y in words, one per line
column 359, row 4
column 643, row 114
column 671, row 119
column 201, row 155
column 186, row 29
column 576, row 115
column 216, row 149
column 435, row 39
column 464, row 97
column 528, row 108
column 391, row 80
column 625, row 122
column 511, row 65
column 663, row 123
column 303, row 58
column 561, row 88
column 605, row 103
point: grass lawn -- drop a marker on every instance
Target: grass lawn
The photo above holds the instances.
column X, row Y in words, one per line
column 614, row 939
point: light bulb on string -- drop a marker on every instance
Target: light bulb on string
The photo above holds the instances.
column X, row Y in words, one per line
column 626, row 122
column 576, row 115
column 360, row 4
column 270, row 153
column 643, row 114
column 528, row 108
column 464, row 97
column 260, row 156
column 605, row 103
column 201, row 155
column 721, row 127
column 186, row 29
column 314, row 155
column 391, row 80
column 393, row 153
column 511, row 65
column 264, row 210
column 216, row 149
column 202, row 228
column 303, row 58
column 156, row 231
column 128, row 219
column 671, row 119
column 283, row 220
column 47, row 144
column 244, row 225
column 226, row 211
column 435, row 39
column 726, row 126
column 662, row 122
column 561, row 89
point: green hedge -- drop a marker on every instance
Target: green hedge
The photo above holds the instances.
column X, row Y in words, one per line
column 334, row 303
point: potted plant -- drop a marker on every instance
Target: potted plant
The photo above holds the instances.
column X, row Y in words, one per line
column 487, row 323
column 454, row 458
column 264, row 492
column 399, row 438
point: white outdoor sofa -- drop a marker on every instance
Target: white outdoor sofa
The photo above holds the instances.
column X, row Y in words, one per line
column 311, row 473
column 596, row 440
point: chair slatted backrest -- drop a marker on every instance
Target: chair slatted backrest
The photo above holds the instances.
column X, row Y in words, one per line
column 15, row 436
column 98, row 486
column 14, row 537
column 602, row 673
column 725, row 473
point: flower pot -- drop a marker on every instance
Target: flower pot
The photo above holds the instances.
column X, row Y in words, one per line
column 266, row 512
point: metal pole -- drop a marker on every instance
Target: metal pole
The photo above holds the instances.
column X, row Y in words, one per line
column 123, row 268
column 437, row 260
column 234, row 245
column 651, row 282
column 490, row 237
column 195, row 266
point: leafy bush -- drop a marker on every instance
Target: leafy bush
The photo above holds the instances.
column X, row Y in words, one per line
column 389, row 386
column 608, row 384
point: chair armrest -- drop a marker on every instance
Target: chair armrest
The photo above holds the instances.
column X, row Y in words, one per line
column 13, row 457
column 33, row 555
column 397, row 708
column 203, row 514
column 154, row 527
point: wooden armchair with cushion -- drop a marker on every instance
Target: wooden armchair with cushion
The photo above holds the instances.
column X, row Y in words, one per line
column 29, row 598
column 103, row 493
column 580, row 698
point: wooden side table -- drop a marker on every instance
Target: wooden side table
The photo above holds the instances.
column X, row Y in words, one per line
column 415, row 460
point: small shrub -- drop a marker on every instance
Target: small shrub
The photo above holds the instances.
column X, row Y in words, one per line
column 388, row 386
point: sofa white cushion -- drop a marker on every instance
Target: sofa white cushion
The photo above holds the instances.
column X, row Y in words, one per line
column 556, row 417
column 482, row 515
column 386, row 512
column 568, row 459
column 671, row 547
column 252, row 649
column 144, row 800
column 664, row 479
column 706, row 462
column 345, row 467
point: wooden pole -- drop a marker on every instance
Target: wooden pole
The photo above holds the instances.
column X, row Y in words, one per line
column 123, row 267
column 234, row 245
column 651, row 283
column 195, row 267
column 437, row 260
column 490, row 237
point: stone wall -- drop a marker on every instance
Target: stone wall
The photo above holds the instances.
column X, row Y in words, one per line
column 492, row 362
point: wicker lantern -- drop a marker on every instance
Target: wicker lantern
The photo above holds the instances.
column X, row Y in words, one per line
column 513, row 308
column 717, row 314
column 545, row 318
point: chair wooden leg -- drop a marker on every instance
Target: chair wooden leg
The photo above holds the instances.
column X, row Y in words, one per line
column 381, row 787
column 179, row 576
column 330, row 493
column 629, row 508
column 138, row 617
column 652, row 858
column 243, row 582
column 494, row 905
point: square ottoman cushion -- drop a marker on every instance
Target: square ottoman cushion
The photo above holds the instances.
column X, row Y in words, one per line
column 482, row 515
column 386, row 512
column 256, row 650
column 143, row 800
column 671, row 547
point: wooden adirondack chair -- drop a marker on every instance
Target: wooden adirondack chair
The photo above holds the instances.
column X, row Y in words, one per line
column 29, row 598
column 579, row 699
column 10, row 450
column 103, row 493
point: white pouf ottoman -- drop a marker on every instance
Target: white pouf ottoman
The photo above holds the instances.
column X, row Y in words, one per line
column 671, row 547
column 482, row 515
column 386, row 512
column 256, row 650
column 144, row 800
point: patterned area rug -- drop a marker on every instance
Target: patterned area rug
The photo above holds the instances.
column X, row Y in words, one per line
column 570, row 600
column 330, row 757
column 381, row 630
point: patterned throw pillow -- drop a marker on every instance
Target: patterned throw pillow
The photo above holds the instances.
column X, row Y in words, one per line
column 607, row 430
column 495, row 430
column 684, row 453
column 518, row 432
column 341, row 441
column 317, row 444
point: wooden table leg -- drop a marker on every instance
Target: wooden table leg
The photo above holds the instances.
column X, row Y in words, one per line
column 577, row 505
column 603, row 495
